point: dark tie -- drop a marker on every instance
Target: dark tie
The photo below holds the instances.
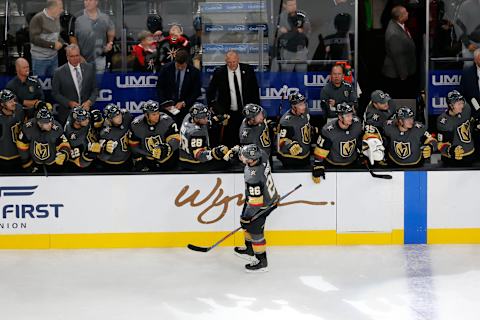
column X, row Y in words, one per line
column 178, row 86
column 237, row 92
column 79, row 81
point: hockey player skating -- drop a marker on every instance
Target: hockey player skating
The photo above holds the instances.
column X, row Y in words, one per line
column 407, row 141
column 455, row 140
column 195, row 150
column 154, row 139
column 294, row 135
column 338, row 142
column 260, row 194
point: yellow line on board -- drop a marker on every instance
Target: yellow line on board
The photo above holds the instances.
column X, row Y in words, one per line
column 453, row 236
column 181, row 239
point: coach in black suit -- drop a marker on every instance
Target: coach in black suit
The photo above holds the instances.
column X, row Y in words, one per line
column 470, row 83
column 74, row 84
column 180, row 82
column 400, row 65
column 232, row 87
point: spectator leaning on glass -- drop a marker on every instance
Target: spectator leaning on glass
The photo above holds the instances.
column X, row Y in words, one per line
column 45, row 38
column 74, row 84
column 94, row 33
column 27, row 89
column 145, row 53
column 293, row 29
column 467, row 27
column 470, row 83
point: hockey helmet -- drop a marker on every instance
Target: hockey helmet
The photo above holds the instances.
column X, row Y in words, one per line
column 150, row 106
column 344, row 108
column 79, row 114
column 251, row 152
column 251, row 110
column 199, row 110
column 296, row 98
column 301, row 18
column 154, row 23
column 405, row 113
column 6, row 95
column 111, row 111
column 197, row 23
column 96, row 115
column 454, row 96
column 44, row 116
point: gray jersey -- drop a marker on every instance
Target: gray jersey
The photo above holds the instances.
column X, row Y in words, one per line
column 40, row 146
column 144, row 138
column 344, row 93
column 338, row 146
column 194, row 142
column 260, row 189
column 378, row 118
column 294, row 130
column 28, row 90
column 119, row 135
column 404, row 148
column 257, row 134
column 9, row 130
column 455, row 131
column 79, row 140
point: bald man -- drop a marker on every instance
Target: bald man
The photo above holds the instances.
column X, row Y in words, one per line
column 27, row 89
column 233, row 86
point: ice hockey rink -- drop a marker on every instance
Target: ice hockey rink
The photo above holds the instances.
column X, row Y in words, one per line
column 308, row 282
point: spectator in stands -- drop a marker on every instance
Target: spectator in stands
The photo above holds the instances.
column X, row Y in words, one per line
column 467, row 27
column 232, row 87
column 45, row 38
column 180, row 82
column 293, row 29
column 470, row 83
column 145, row 53
column 74, row 84
column 94, row 33
column 339, row 46
column 27, row 89
column 337, row 91
column 169, row 46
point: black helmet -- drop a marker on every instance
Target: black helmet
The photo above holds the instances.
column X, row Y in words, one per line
column 44, row 116
column 154, row 23
column 79, row 114
column 197, row 23
column 251, row 152
column 150, row 106
column 454, row 96
column 199, row 110
column 344, row 108
column 96, row 115
column 111, row 110
column 6, row 95
column 405, row 113
column 296, row 98
column 251, row 110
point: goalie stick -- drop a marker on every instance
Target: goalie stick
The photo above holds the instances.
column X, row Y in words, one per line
column 206, row 249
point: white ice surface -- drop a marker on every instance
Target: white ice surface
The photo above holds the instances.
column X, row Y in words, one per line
column 354, row 282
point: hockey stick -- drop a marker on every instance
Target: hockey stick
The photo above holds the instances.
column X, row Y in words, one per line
column 206, row 249
column 377, row 175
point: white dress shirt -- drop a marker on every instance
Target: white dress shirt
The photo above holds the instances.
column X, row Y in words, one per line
column 478, row 75
column 74, row 77
column 231, row 84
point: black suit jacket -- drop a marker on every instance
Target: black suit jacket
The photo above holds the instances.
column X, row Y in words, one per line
column 469, row 84
column 218, row 92
column 191, row 86
column 63, row 87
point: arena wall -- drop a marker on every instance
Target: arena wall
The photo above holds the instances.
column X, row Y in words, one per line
column 172, row 210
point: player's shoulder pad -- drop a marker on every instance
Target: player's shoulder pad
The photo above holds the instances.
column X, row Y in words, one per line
column 356, row 119
column 347, row 84
column 418, row 125
column 442, row 121
column 137, row 121
column 327, row 129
